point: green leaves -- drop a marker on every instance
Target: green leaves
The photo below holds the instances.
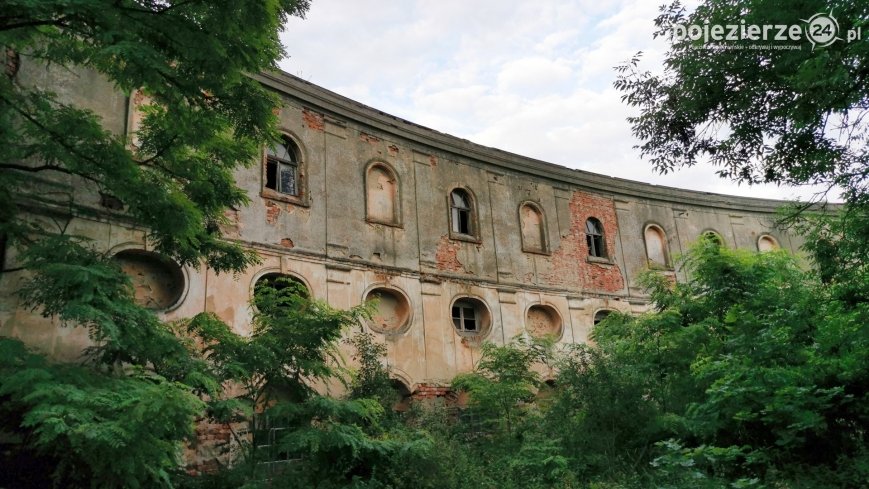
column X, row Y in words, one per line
column 737, row 365
column 119, row 429
column 758, row 113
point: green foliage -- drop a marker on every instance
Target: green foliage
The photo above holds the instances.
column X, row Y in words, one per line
column 117, row 421
column 371, row 380
column 758, row 368
column 793, row 116
column 112, row 429
column 292, row 345
column 207, row 116
column 503, row 383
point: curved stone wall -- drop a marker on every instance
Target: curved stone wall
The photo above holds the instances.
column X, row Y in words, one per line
column 462, row 243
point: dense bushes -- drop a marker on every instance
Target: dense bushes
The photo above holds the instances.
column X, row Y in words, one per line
column 751, row 373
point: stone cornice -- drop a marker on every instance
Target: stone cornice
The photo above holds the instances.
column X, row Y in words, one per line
column 341, row 107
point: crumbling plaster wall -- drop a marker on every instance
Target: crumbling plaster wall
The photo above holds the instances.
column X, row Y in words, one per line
column 323, row 236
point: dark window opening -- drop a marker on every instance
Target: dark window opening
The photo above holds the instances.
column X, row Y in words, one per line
column 594, row 238
column 460, row 206
column 465, row 317
column 282, row 167
column 714, row 237
column 283, row 288
column 600, row 316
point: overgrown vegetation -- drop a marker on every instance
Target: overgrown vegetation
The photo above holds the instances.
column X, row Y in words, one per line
column 753, row 373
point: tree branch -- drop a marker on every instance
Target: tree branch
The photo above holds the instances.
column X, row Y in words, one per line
column 59, row 169
column 34, row 23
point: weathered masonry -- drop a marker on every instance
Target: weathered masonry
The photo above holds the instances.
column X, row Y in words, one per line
column 461, row 243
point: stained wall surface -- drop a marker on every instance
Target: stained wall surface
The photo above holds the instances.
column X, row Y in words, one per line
column 373, row 212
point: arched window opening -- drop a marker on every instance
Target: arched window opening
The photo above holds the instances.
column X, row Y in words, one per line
column 461, row 212
column 713, row 237
column 470, row 317
column 282, row 168
column 594, row 238
column 656, row 247
column 382, row 195
column 279, row 288
column 533, row 228
column 601, row 315
column 767, row 243
column 401, row 395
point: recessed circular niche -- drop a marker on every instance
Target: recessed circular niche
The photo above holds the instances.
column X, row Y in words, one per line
column 767, row 243
column 158, row 281
column 471, row 317
column 393, row 312
column 542, row 320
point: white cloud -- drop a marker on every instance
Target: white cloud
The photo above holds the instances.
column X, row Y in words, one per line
column 529, row 78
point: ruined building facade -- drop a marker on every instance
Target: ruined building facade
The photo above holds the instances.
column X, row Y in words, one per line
column 461, row 243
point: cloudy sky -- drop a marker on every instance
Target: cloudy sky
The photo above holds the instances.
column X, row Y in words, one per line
column 533, row 78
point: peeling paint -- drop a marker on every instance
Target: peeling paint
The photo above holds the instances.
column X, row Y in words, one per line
column 368, row 138
column 447, row 255
column 273, row 211
column 314, row 120
column 570, row 262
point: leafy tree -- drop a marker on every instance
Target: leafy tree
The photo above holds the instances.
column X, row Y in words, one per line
column 756, row 370
column 207, row 117
column 371, row 380
column 792, row 116
column 83, row 427
column 503, row 382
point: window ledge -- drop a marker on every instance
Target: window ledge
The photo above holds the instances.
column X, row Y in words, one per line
column 270, row 194
column 536, row 251
column 661, row 268
column 465, row 237
column 384, row 223
column 600, row 260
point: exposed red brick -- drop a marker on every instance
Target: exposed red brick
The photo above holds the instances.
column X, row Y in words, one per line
column 287, row 243
column 393, row 149
column 431, row 391
column 570, row 265
column 368, row 138
column 273, row 211
column 314, row 120
column 446, row 256
column 210, row 450
column 433, row 161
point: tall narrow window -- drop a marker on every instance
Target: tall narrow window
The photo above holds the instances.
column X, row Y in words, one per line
column 382, row 194
column 461, row 212
column 533, row 228
column 656, row 247
column 282, row 168
column 594, row 238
